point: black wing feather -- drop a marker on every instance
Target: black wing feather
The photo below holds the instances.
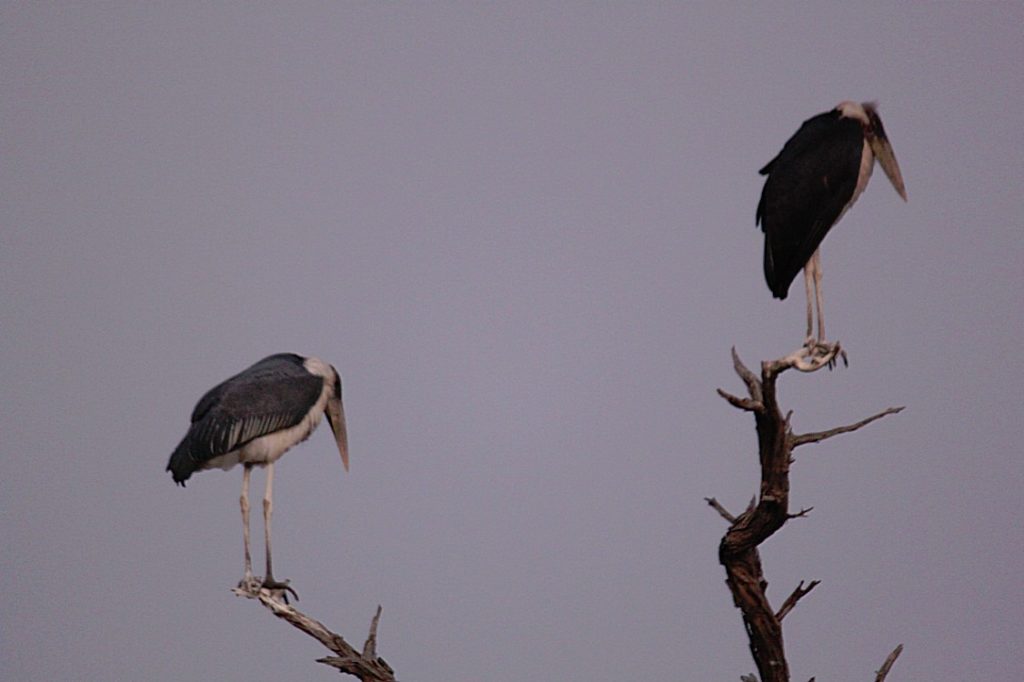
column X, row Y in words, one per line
column 809, row 184
column 274, row 394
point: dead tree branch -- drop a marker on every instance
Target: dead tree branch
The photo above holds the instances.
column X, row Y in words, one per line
column 887, row 665
column 722, row 511
column 797, row 595
column 797, row 440
column 365, row 665
column 738, row 551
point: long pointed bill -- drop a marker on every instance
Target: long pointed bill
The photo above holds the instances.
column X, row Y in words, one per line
column 887, row 160
column 335, row 412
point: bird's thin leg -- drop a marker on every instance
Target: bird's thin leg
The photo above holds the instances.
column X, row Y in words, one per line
column 827, row 353
column 808, row 278
column 819, row 296
column 816, row 352
column 268, row 507
column 244, row 500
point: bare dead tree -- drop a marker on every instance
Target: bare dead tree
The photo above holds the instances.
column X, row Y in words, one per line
column 769, row 511
column 365, row 664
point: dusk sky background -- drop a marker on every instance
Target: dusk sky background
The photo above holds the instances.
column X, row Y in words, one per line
column 524, row 233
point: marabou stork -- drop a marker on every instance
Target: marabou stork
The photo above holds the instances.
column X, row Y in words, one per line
column 255, row 417
column 810, row 184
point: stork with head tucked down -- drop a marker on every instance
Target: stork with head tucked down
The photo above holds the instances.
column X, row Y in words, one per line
column 810, row 184
column 255, row 417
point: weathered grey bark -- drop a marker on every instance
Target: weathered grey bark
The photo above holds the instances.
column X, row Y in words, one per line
column 366, row 665
column 767, row 513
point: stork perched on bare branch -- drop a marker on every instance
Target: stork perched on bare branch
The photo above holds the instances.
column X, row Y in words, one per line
column 253, row 418
column 810, row 184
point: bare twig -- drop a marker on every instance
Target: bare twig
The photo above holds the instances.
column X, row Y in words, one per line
column 741, row 403
column 367, row 666
column 720, row 509
column 748, row 377
column 887, row 665
column 797, row 440
column 797, row 595
column 802, row 513
column 370, row 648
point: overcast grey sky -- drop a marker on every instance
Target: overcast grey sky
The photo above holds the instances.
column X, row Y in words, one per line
column 524, row 233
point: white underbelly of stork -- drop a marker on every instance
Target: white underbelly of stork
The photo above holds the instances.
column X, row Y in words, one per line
column 867, row 164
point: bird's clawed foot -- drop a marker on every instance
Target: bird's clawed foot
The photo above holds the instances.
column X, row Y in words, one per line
column 814, row 355
column 837, row 353
column 249, row 583
column 278, row 589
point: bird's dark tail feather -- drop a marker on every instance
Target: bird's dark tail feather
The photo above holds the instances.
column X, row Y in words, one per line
column 778, row 291
column 777, row 282
column 181, row 465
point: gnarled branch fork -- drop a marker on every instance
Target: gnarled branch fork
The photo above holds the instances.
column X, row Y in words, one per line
column 738, row 551
column 365, row 664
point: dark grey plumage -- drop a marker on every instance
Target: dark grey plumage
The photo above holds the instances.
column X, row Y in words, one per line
column 274, row 394
column 808, row 186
